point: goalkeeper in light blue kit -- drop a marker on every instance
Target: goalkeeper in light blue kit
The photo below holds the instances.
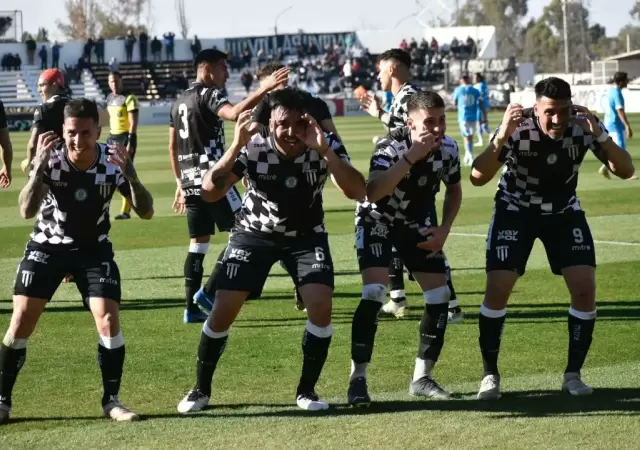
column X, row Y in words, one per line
column 468, row 101
column 483, row 121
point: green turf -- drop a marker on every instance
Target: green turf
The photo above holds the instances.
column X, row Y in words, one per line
column 56, row 400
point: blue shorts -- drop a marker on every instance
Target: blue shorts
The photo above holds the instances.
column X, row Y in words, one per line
column 619, row 137
column 466, row 128
column 480, row 117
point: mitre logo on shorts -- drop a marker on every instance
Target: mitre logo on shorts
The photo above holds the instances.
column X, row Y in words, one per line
column 508, row 235
column 291, row 182
column 81, row 195
column 239, row 254
column 38, row 257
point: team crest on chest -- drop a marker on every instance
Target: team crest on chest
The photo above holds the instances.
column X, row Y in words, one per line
column 422, row 181
column 291, row 182
column 81, row 194
column 552, row 159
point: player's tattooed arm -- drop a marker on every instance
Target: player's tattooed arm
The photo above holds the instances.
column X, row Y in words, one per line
column 141, row 199
column 35, row 190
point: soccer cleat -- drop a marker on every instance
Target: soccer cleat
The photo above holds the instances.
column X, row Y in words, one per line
column 123, row 216
column 194, row 316
column 455, row 315
column 604, row 172
column 193, row 401
column 311, row 402
column 396, row 309
column 299, row 303
column 118, row 412
column 428, row 387
column 5, row 411
column 358, row 393
column 204, row 301
column 490, row 388
column 574, row 385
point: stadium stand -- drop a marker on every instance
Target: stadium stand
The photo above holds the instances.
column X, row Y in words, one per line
column 136, row 78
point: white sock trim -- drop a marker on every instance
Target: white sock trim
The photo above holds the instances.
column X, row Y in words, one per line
column 398, row 293
column 111, row 343
column 358, row 370
column 423, row 368
column 214, row 334
column 493, row 313
column 454, row 304
column 583, row 315
column 437, row 296
column 374, row 292
column 321, row 332
column 13, row 343
column 200, row 248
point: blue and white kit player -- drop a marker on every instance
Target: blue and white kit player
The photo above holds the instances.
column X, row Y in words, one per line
column 615, row 118
column 482, row 121
column 467, row 100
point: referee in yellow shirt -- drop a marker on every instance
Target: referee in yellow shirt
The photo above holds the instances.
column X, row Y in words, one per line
column 123, row 120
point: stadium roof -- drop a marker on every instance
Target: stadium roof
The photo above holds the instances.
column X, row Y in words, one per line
column 628, row 55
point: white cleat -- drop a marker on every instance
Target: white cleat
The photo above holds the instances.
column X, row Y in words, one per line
column 310, row 401
column 396, row 309
column 489, row 388
column 455, row 317
column 193, row 401
column 574, row 385
column 5, row 412
column 118, row 412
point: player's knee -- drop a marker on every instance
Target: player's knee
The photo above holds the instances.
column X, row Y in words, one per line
column 23, row 321
column 108, row 324
column 374, row 292
column 437, row 296
column 583, row 296
column 199, row 247
column 200, row 240
column 13, row 342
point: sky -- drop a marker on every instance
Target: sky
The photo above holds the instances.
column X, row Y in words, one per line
column 335, row 15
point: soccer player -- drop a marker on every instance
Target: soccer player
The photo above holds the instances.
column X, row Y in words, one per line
column 468, row 100
column 6, row 150
column 404, row 178
column 615, row 118
column 282, row 218
column 542, row 149
column 394, row 75
column 483, row 121
column 123, row 125
column 196, row 142
column 69, row 192
column 260, row 117
column 49, row 115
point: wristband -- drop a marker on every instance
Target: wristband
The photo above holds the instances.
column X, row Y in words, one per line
column 404, row 156
column 603, row 137
column 380, row 114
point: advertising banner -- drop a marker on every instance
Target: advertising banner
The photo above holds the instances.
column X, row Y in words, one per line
column 287, row 42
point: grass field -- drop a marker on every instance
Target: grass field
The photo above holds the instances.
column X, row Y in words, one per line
column 57, row 396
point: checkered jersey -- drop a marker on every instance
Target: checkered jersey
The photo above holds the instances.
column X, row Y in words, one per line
column 284, row 196
column 75, row 211
column 407, row 204
column 398, row 110
column 541, row 174
column 199, row 132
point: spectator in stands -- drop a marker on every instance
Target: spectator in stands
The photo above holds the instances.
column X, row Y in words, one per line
column 114, row 65
column 44, row 57
column 17, row 62
column 156, row 49
column 6, row 150
column 169, row 44
column 129, row 41
column 403, row 44
column 246, row 56
column 55, row 54
column 434, row 45
column 7, row 62
column 144, row 45
column 31, row 49
column 247, row 79
column 86, row 50
column 196, row 46
column 99, row 50
column 347, row 74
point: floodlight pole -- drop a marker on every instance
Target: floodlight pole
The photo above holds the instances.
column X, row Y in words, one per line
column 565, row 33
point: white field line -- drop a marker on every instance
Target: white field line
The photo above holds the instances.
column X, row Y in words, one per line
column 627, row 244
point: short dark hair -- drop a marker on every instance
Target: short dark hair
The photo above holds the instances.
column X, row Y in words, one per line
column 82, row 108
column 396, row 54
column 466, row 78
column 268, row 69
column 479, row 76
column 620, row 77
column 289, row 99
column 115, row 73
column 208, row 56
column 423, row 100
column 554, row 88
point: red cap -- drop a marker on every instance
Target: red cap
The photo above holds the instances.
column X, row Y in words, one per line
column 53, row 76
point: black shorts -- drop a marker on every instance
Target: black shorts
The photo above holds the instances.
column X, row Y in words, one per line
column 249, row 257
column 123, row 139
column 42, row 270
column 566, row 238
column 375, row 239
column 202, row 216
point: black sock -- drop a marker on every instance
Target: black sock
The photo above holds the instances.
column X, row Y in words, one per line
column 111, row 362
column 210, row 286
column 450, row 286
column 580, row 337
column 432, row 328
column 363, row 330
column 490, row 336
column 396, row 274
column 11, row 361
column 314, row 350
column 192, row 278
column 209, row 352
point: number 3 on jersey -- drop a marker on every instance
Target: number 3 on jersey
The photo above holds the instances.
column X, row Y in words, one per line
column 182, row 111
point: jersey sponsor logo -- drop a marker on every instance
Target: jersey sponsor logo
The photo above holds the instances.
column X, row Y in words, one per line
column 502, row 252
column 190, row 174
column 527, row 153
column 38, row 257
column 552, row 159
column 264, row 177
column 191, row 191
column 27, row 278
column 574, row 151
column 59, row 183
column 232, row 270
column 508, row 235
column 380, row 230
column 81, row 194
column 376, row 249
column 187, row 157
column 239, row 254
column 291, row 182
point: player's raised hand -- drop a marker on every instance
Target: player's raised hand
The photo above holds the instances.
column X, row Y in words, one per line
column 423, row 143
column 179, row 203
column 313, row 136
column 586, row 120
column 510, row 121
column 369, row 103
column 46, row 142
column 277, row 78
column 243, row 132
column 119, row 156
